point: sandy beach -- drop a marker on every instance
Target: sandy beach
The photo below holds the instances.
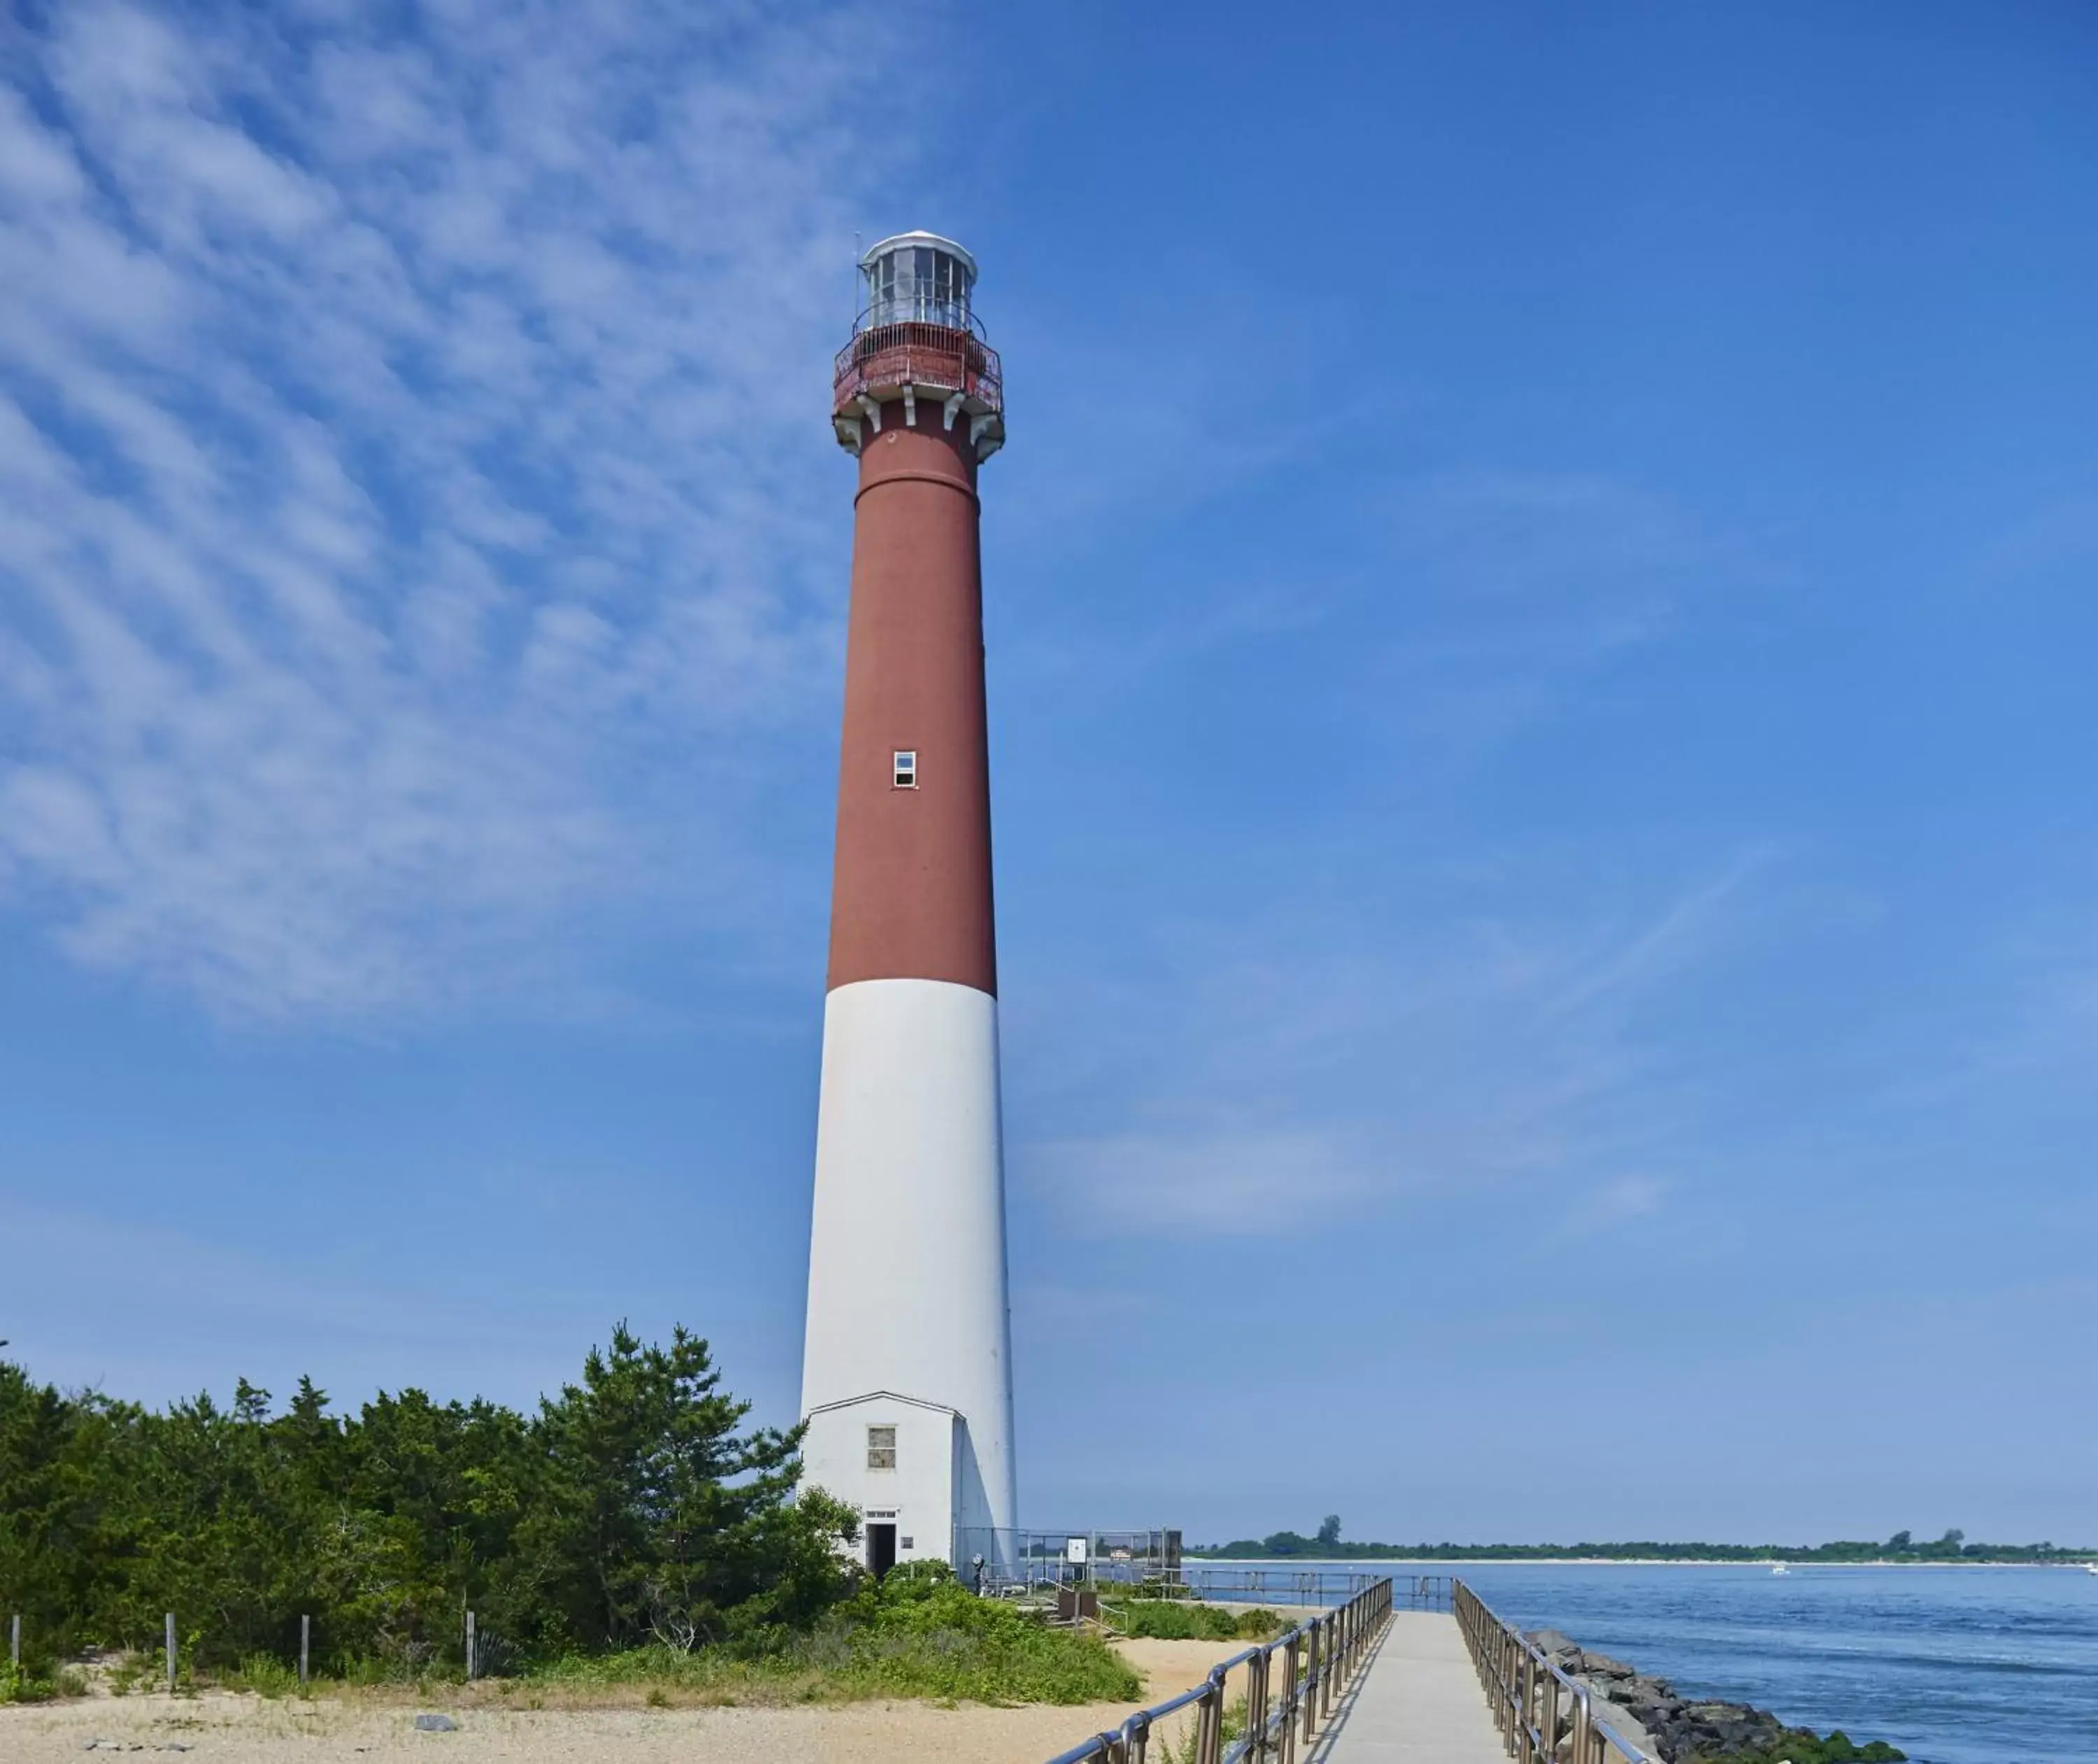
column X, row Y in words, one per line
column 378, row 1728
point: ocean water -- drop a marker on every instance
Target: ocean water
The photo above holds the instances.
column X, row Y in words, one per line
column 1955, row 1666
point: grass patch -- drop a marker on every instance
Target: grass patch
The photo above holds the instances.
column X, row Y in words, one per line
column 663, row 1677
column 130, row 1672
column 1233, row 1725
column 264, row 1674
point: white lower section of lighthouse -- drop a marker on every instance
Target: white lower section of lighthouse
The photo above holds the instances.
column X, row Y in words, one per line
column 907, row 1379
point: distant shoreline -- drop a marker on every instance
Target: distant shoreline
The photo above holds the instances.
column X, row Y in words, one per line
column 2076, row 1563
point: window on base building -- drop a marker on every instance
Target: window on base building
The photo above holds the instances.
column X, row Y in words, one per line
column 907, row 768
column 881, row 1448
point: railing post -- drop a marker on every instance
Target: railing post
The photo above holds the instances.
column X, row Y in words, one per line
column 1292, row 1658
column 1209, row 1722
column 1498, row 1655
column 1522, row 1678
column 1310, row 1681
column 1507, row 1697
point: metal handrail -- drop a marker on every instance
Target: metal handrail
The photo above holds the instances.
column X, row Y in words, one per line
column 909, row 352
column 1255, row 1585
column 1524, row 1690
column 950, row 315
column 1318, row 1659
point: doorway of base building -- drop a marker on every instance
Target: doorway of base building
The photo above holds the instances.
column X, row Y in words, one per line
column 880, row 1548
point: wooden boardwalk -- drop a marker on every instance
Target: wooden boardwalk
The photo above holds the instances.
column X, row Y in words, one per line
column 1418, row 1702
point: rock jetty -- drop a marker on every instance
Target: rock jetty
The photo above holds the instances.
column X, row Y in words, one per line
column 1646, row 1712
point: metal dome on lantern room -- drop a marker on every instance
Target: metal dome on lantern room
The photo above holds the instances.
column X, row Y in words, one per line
column 917, row 339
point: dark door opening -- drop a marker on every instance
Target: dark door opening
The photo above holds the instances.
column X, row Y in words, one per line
column 880, row 1549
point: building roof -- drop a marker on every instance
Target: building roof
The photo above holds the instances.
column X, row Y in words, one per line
column 896, row 241
column 882, row 1396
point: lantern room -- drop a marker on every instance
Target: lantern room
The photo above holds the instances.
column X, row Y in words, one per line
column 916, row 278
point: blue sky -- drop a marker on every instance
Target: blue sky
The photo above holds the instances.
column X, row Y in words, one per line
column 1540, row 616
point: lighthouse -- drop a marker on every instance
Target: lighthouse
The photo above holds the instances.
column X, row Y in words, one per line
column 907, row 1379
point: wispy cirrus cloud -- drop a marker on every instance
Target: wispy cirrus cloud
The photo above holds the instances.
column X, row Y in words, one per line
column 1529, row 584
column 1258, row 1096
column 411, row 450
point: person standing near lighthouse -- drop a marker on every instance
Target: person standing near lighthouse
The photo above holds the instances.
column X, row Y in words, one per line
column 906, row 1382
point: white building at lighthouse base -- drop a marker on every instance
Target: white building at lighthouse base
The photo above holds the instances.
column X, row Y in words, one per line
column 908, row 1467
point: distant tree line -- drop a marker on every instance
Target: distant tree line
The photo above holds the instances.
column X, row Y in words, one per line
column 635, row 1506
column 1327, row 1545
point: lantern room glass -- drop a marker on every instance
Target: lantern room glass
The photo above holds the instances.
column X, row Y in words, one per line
column 910, row 282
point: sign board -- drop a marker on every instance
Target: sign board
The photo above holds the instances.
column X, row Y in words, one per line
column 1074, row 1551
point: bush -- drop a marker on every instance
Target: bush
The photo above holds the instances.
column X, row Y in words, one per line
column 264, row 1674
column 918, row 1633
column 20, row 1685
column 923, row 1634
column 1173, row 1620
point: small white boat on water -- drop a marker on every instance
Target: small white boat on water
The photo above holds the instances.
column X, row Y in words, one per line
column 2090, row 1568
column 1779, row 1568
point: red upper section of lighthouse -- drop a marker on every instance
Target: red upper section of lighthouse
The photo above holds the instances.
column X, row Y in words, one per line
column 917, row 341
column 919, row 400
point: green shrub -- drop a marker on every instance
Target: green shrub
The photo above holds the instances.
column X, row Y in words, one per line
column 923, row 1634
column 1173, row 1620
column 702, row 1671
column 22, row 1685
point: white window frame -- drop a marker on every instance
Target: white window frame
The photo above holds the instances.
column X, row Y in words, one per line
column 903, row 769
column 875, row 1445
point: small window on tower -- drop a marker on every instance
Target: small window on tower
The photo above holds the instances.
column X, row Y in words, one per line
column 907, row 769
column 881, row 1448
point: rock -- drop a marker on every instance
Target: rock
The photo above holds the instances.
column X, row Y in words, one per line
column 435, row 1724
column 1644, row 1711
column 1553, row 1643
column 1625, row 1725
